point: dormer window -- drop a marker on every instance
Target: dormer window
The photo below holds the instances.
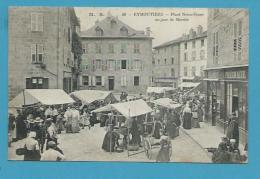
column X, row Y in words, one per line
column 124, row 31
column 113, row 23
column 99, row 31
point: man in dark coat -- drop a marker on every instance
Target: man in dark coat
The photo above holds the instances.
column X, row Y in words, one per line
column 233, row 129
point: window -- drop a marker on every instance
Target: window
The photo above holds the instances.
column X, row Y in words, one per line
column 98, row 64
column 215, row 48
column 165, row 61
column 202, row 54
column 136, row 48
column 193, row 71
column 111, row 64
column 185, row 46
column 98, row 80
column 124, row 31
column 37, row 83
column 172, row 72
column 110, row 48
column 37, row 53
column 193, row 55
column 185, row 71
column 85, row 80
column 202, row 43
column 136, row 80
column 99, row 31
column 137, row 64
column 98, row 48
column 123, row 64
column 172, row 60
column 85, row 48
column 185, row 57
column 193, row 44
column 123, row 48
column 69, row 35
column 158, row 61
column 37, row 22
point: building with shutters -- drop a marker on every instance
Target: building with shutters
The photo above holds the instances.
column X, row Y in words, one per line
column 182, row 61
column 116, row 57
column 40, row 49
column 227, row 68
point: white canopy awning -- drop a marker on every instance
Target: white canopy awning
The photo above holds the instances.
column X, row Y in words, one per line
column 159, row 89
column 43, row 96
column 188, row 85
column 128, row 109
column 167, row 102
column 89, row 96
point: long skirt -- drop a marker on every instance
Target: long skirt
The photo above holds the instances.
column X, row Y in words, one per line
column 187, row 121
column 171, row 130
column 75, row 126
column 195, row 123
column 164, row 154
column 69, row 126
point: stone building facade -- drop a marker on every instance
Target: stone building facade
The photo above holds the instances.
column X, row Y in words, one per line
column 166, row 62
column 193, row 55
column 40, row 48
column 116, row 57
column 227, row 68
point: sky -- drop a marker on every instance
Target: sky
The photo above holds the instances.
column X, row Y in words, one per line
column 165, row 23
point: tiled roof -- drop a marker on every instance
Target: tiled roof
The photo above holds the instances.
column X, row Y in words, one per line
column 180, row 39
column 112, row 31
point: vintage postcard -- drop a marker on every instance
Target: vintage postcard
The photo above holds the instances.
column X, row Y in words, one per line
column 128, row 84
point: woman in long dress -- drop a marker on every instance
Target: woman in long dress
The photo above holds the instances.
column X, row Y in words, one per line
column 187, row 115
column 75, row 121
column 68, row 119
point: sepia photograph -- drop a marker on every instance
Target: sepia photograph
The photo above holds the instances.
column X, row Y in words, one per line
column 128, row 84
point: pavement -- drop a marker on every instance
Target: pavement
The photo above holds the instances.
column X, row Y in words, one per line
column 207, row 136
column 86, row 146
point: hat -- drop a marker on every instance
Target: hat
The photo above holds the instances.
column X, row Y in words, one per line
column 51, row 144
column 32, row 134
column 164, row 137
column 38, row 119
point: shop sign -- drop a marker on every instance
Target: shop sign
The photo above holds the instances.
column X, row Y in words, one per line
column 235, row 74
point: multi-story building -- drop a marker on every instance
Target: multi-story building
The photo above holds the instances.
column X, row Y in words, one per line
column 116, row 57
column 193, row 56
column 181, row 62
column 166, row 64
column 40, row 48
column 227, row 68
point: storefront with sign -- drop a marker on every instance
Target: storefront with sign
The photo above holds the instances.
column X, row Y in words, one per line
column 227, row 90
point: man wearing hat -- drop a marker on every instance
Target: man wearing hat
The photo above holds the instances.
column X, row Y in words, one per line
column 40, row 130
column 52, row 154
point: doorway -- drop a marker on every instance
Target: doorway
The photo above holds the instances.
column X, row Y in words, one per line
column 111, row 83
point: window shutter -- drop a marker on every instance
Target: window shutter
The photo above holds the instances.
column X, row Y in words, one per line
column 40, row 22
column 118, row 64
column 103, row 80
column 33, row 22
column 89, row 81
column 93, row 80
column 93, row 65
column 80, row 80
column 33, row 53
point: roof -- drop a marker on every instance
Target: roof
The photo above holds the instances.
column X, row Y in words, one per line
column 114, row 31
column 179, row 40
column 43, row 96
column 158, row 89
column 128, row 109
column 167, row 102
column 89, row 96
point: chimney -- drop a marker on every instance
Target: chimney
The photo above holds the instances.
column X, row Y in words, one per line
column 199, row 30
column 148, row 31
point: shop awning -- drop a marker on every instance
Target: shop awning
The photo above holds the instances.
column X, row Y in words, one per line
column 42, row 96
column 159, row 90
column 211, row 79
column 89, row 96
column 167, row 102
column 188, row 85
column 128, row 109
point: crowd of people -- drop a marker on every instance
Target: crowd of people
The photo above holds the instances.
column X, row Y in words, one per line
column 40, row 126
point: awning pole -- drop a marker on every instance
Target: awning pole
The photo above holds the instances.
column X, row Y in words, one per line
column 23, row 98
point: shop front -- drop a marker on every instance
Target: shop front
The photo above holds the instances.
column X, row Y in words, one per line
column 227, row 90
